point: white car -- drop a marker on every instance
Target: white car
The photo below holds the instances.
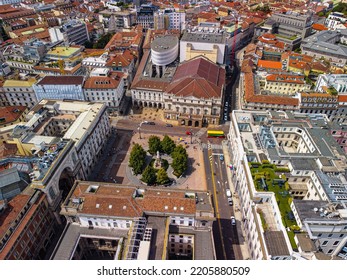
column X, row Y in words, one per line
column 230, row 201
column 233, row 221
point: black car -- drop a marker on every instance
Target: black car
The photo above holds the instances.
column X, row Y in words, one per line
column 169, row 125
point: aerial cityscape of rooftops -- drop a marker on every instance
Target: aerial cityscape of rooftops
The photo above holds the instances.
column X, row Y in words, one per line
column 173, row 130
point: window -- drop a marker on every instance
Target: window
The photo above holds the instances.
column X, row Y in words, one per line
column 325, row 243
column 336, row 243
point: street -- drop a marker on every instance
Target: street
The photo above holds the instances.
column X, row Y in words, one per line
column 225, row 235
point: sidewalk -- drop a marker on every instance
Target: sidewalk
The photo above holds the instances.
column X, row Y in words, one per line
column 237, row 206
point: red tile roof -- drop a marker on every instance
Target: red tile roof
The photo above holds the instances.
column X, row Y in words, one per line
column 102, row 82
column 198, row 77
column 251, row 97
column 113, row 200
column 342, row 98
column 61, row 80
column 319, row 27
column 7, row 150
column 281, row 78
column 10, row 114
column 269, row 64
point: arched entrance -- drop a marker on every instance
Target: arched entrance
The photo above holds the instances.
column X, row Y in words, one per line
column 183, row 122
column 66, row 182
column 196, row 124
column 190, row 123
column 145, row 104
column 159, row 106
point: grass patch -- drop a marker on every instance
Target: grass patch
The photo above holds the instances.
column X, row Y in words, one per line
column 266, row 179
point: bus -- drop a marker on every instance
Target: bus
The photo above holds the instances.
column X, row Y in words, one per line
column 215, row 134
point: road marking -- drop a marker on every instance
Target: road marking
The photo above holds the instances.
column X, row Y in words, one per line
column 217, row 211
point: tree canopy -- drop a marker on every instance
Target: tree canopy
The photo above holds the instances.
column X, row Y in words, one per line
column 137, row 159
column 154, row 144
column 167, row 145
column 149, row 175
column 162, row 177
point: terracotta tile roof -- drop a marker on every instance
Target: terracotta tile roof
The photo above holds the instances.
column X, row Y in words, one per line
column 102, row 82
column 13, row 209
column 319, row 27
column 7, row 150
column 61, row 80
column 198, row 77
column 281, row 78
column 10, row 114
column 342, row 98
column 298, row 64
column 317, row 94
column 197, row 87
column 117, row 201
column 300, row 57
column 251, row 97
column 206, row 15
column 124, row 59
column 319, row 66
column 269, row 64
column 201, row 67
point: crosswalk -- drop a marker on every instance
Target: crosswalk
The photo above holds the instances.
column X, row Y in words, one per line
column 210, row 146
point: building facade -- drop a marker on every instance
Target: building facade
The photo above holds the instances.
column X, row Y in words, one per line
column 72, row 32
column 20, row 92
column 195, row 96
column 29, row 227
column 107, row 89
column 59, row 87
column 312, row 161
column 199, row 41
column 179, row 218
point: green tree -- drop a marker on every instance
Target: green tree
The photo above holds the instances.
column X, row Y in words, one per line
column 179, row 164
column 179, row 150
column 167, row 145
column 88, row 44
column 149, row 176
column 102, row 42
column 154, row 144
column 137, row 159
column 162, row 177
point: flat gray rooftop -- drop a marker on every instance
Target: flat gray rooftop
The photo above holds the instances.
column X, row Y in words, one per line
column 74, row 232
column 204, row 37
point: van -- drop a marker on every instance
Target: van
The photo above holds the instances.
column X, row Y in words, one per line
column 228, row 193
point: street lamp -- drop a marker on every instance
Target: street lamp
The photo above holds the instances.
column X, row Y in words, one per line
column 139, row 129
column 191, row 136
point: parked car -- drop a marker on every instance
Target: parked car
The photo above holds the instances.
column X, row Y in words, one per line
column 230, row 201
column 233, row 221
column 188, row 132
column 151, row 123
column 169, row 125
column 221, row 157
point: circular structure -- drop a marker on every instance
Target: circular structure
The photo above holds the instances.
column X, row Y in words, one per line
column 164, row 50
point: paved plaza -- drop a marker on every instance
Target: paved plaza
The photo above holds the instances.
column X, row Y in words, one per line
column 113, row 165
